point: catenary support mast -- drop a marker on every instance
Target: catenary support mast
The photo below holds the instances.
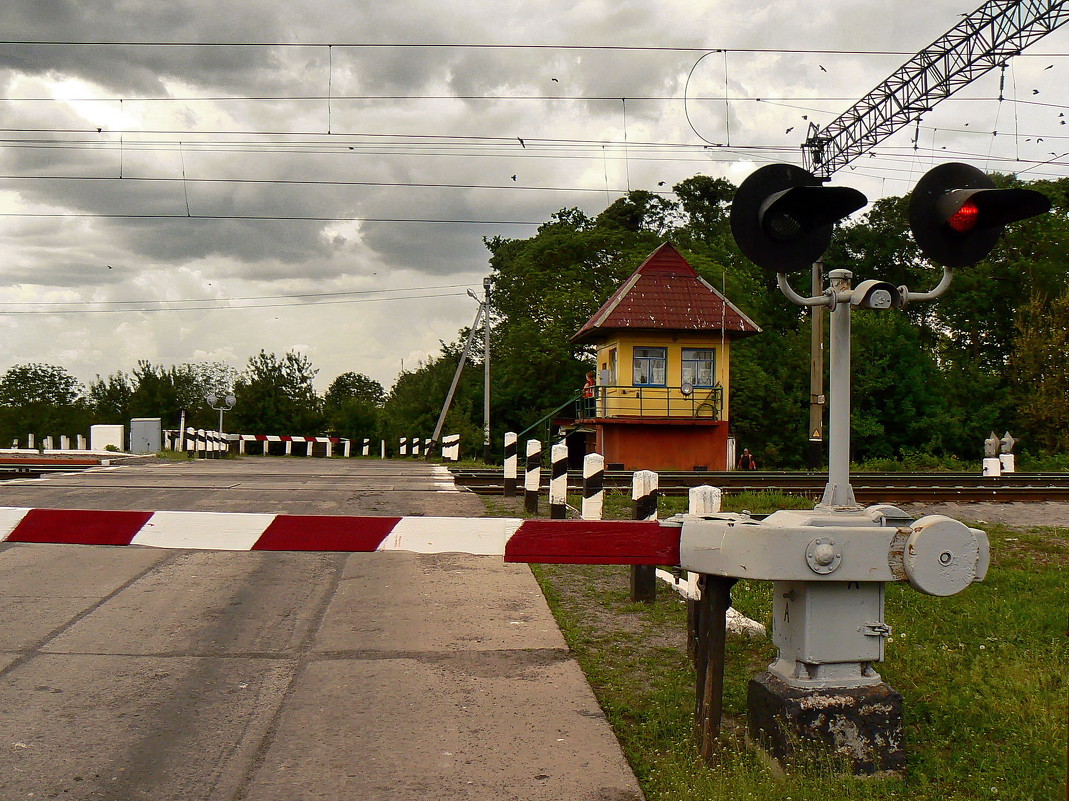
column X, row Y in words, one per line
column 983, row 40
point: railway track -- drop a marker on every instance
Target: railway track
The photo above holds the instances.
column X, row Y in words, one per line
column 868, row 487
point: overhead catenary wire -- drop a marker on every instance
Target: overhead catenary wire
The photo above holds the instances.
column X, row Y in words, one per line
column 52, row 312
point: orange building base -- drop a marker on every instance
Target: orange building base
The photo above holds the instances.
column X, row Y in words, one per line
column 659, row 443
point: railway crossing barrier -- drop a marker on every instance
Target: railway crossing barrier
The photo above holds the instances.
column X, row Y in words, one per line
column 828, row 584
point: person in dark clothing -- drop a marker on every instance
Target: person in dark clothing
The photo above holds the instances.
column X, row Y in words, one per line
column 746, row 461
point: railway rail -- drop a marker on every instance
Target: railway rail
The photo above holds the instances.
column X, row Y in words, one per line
column 868, row 487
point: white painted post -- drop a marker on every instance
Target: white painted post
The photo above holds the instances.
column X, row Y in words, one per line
column 451, row 447
column 308, row 447
column 704, row 500
column 366, row 449
column 48, row 443
column 593, row 486
column 415, row 446
column 402, row 447
column 241, row 445
column 558, row 482
column 992, row 467
column 532, row 478
column 1008, row 462
column 29, row 442
column 81, row 443
column 330, row 448
column 382, row 449
column 348, row 449
column 511, row 459
column 289, row 447
column 64, row 442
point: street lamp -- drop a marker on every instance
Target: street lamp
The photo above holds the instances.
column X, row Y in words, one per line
column 220, row 405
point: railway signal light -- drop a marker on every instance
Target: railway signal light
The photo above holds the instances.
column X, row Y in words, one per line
column 782, row 216
column 957, row 215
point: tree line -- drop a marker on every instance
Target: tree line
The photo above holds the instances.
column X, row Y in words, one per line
column 275, row 395
column 930, row 380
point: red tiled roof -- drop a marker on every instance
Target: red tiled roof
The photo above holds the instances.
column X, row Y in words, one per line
column 665, row 293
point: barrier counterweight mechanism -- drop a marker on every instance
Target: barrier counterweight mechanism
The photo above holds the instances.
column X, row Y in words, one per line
column 829, row 566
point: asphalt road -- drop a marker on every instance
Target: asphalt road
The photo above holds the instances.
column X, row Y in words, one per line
column 135, row 673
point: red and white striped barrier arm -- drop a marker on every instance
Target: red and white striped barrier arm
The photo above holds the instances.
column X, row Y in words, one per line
column 285, row 438
column 623, row 542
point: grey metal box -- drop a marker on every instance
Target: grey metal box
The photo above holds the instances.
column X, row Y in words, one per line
column 146, row 435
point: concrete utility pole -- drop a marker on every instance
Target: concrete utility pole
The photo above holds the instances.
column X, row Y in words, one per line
column 456, row 376
column 486, row 369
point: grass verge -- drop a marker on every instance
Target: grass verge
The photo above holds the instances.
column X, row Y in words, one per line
column 982, row 674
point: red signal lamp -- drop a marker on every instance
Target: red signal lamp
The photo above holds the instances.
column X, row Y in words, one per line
column 957, row 214
column 965, row 218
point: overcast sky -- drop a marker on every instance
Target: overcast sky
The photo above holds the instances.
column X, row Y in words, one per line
column 181, row 203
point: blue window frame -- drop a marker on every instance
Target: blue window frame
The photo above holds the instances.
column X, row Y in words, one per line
column 699, row 367
column 649, row 367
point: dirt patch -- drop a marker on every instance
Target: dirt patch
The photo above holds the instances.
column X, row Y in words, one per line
column 1018, row 515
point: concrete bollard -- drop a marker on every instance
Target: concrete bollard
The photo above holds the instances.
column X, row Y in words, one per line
column 558, row 482
column 81, row 442
column 511, row 459
column 992, row 467
column 593, row 486
column 1008, row 462
column 532, row 477
column 644, row 485
column 704, row 500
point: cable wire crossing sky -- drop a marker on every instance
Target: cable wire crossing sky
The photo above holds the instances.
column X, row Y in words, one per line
column 199, row 181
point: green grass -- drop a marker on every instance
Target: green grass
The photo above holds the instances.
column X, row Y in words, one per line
column 982, row 674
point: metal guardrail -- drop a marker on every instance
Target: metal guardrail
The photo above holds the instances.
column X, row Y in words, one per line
column 651, row 401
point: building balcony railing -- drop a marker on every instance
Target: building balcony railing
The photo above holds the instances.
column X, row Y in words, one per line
column 647, row 401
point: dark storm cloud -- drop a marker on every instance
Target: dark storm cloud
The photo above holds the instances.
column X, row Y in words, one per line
column 136, row 69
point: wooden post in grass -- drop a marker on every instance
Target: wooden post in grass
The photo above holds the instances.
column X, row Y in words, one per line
column 644, row 485
column 702, row 500
column 712, row 635
column 707, row 636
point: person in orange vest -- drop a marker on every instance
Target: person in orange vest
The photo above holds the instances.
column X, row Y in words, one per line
column 746, row 461
column 587, row 403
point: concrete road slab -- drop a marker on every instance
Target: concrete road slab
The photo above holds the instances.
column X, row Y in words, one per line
column 254, row 484
column 136, row 674
column 135, row 728
column 501, row 726
column 419, row 602
column 48, row 586
column 217, row 603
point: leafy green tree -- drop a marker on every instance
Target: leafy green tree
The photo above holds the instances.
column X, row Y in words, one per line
column 43, row 400
column 352, row 405
column 111, row 398
column 354, row 386
column 1040, row 372
column 165, row 391
column 276, row 396
column 415, row 400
